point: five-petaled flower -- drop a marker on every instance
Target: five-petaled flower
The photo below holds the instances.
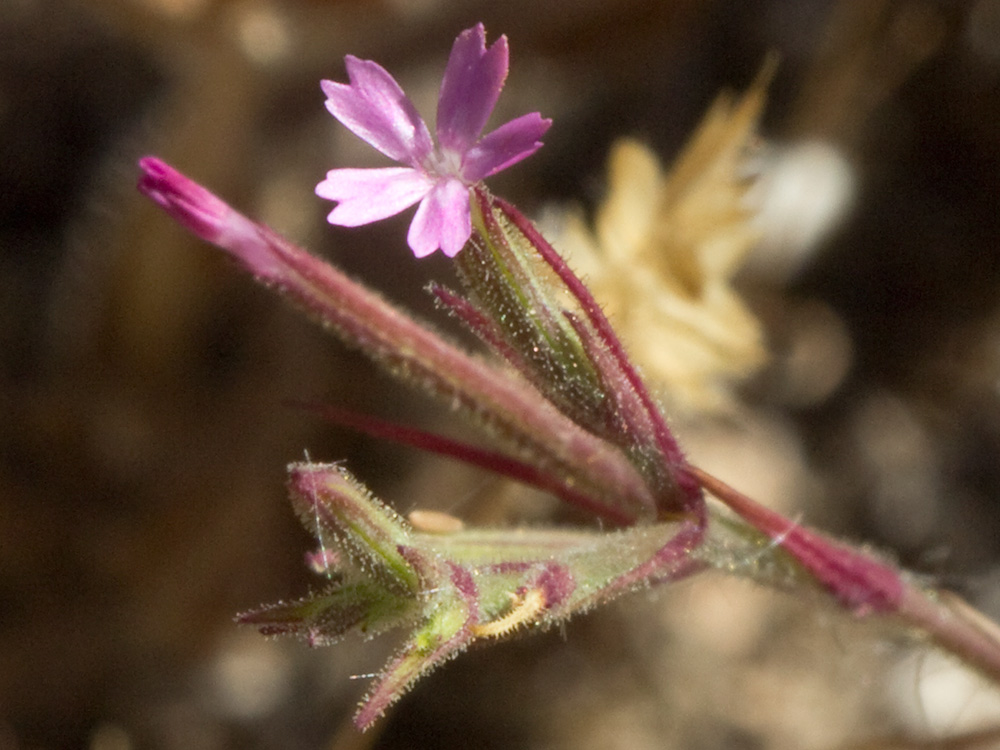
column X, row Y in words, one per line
column 374, row 107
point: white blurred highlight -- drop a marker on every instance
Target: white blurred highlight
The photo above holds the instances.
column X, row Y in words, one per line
column 803, row 192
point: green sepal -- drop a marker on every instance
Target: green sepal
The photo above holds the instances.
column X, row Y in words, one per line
column 335, row 506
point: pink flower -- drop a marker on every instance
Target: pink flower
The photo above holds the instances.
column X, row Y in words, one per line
column 374, row 107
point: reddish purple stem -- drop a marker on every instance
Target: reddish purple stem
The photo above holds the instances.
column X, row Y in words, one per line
column 860, row 582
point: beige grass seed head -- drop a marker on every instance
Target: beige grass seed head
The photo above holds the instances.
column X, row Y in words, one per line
column 664, row 249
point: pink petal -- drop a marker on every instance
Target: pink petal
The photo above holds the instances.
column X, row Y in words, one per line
column 506, row 145
column 367, row 195
column 187, row 201
column 374, row 108
column 442, row 220
column 470, row 87
column 209, row 217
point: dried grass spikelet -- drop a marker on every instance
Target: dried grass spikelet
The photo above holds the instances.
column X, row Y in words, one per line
column 664, row 250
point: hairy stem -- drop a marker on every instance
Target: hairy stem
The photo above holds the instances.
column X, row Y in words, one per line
column 869, row 586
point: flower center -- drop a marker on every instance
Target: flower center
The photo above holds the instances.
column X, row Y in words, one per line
column 444, row 162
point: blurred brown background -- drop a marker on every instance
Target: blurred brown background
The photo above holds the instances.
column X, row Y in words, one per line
column 144, row 434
